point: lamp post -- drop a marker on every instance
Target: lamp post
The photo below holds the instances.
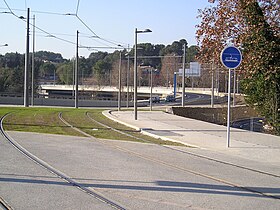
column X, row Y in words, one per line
column 151, row 91
column 212, row 84
column 135, row 69
column 27, row 64
column 184, row 75
column 76, row 73
column 26, row 75
column 234, row 87
column 127, row 81
column 120, row 82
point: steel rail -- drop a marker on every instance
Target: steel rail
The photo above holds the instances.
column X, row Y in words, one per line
column 190, row 170
column 55, row 171
column 4, row 205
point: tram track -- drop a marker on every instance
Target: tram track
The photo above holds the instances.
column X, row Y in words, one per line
column 55, row 171
column 187, row 152
column 4, row 205
column 114, row 205
column 179, row 168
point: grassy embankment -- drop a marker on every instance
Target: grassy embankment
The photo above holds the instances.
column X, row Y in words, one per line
column 46, row 120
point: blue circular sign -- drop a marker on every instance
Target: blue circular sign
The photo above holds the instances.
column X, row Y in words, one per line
column 231, row 57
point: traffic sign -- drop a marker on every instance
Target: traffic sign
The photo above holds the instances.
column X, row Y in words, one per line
column 231, row 57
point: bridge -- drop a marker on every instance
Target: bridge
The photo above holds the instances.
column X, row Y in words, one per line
column 110, row 92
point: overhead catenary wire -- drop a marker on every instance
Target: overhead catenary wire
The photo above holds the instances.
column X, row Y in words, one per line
column 37, row 12
column 9, row 8
column 95, row 36
column 70, row 35
column 51, row 35
column 78, row 4
column 38, row 28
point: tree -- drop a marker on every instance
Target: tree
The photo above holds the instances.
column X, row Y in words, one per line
column 11, row 73
column 148, row 50
column 102, row 71
column 47, row 69
column 252, row 25
column 85, row 70
column 191, row 53
column 175, row 48
column 262, row 61
column 13, row 60
column 65, row 73
column 49, row 56
column 96, row 56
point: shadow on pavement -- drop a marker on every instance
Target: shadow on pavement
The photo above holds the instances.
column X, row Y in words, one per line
column 160, row 186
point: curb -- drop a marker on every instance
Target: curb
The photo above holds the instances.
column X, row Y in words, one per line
column 108, row 114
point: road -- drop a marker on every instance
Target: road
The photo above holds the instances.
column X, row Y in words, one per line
column 134, row 175
column 252, row 124
column 191, row 99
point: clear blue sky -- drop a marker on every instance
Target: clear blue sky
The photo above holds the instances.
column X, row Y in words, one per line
column 110, row 19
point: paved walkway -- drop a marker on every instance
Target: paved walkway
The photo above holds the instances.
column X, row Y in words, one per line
column 250, row 145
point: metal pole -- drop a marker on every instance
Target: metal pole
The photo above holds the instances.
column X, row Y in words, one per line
column 234, row 86
column 33, row 63
column 228, row 114
column 218, row 81
column 26, row 75
column 175, row 84
column 135, row 76
column 73, row 91
column 226, row 82
column 167, row 83
column 127, row 83
column 191, row 75
column 183, row 77
column 76, row 73
column 120, row 85
column 251, row 124
column 212, row 88
column 151, row 93
column 237, row 85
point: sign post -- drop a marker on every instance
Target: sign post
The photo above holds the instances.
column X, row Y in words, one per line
column 175, row 84
column 231, row 58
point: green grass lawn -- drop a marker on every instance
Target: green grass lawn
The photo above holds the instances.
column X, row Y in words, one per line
column 40, row 120
column 46, row 120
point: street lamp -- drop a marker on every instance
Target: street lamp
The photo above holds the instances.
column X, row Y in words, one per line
column 26, row 71
column 120, row 82
column 27, row 65
column 127, row 81
column 183, row 76
column 135, row 69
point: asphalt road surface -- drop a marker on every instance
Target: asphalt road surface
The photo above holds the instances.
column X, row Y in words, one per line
column 134, row 175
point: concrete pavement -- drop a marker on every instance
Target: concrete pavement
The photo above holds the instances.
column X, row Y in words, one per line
column 135, row 175
column 144, row 176
column 251, row 146
column 26, row 185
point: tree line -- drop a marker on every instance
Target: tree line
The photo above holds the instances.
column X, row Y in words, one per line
column 253, row 26
column 100, row 68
